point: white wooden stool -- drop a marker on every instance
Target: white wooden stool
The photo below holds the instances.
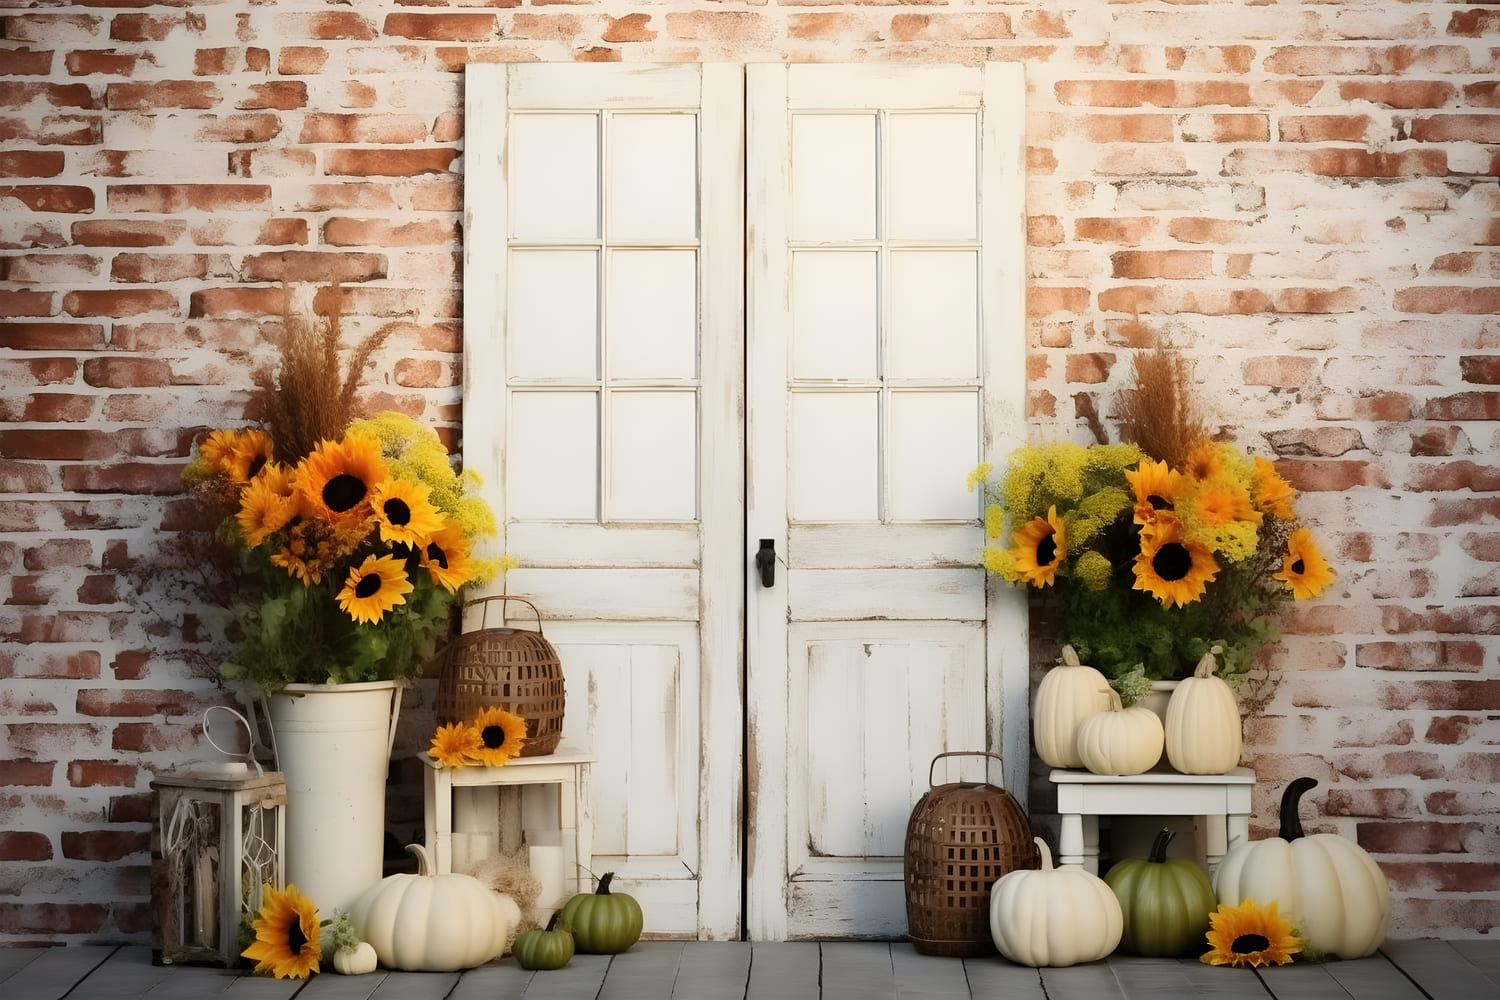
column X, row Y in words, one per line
column 1222, row 800
column 567, row 768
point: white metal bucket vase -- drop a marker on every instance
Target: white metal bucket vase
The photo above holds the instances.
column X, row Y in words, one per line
column 333, row 744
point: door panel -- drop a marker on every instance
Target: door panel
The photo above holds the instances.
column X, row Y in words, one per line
column 884, row 362
column 603, row 391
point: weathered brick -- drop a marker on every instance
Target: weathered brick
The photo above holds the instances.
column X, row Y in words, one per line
column 1414, row 837
column 24, row 920
column 31, row 163
column 388, row 162
column 16, row 845
column 314, row 266
column 156, row 94
column 70, row 198
column 172, row 198
column 468, row 27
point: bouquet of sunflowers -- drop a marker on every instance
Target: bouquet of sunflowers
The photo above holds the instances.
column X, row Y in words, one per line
column 1158, row 549
column 351, row 539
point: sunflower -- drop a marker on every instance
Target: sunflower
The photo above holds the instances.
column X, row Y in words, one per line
column 1303, row 569
column 455, row 744
column 1170, row 569
column 374, row 587
column 266, row 506
column 1204, row 461
column 404, row 512
column 335, row 481
column 286, row 935
column 1220, row 502
column 1040, row 547
column 1273, row 494
column 446, row 557
column 1249, row 935
column 252, row 451
column 501, row 734
column 217, row 448
column 1156, row 488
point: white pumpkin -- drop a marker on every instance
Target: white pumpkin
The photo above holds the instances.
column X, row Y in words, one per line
column 1054, row 916
column 1120, row 740
column 355, row 961
column 1067, row 694
column 1203, row 722
column 434, row 923
column 1326, row 885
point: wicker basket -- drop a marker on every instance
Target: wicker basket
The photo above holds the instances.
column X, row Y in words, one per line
column 961, row 838
column 514, row 669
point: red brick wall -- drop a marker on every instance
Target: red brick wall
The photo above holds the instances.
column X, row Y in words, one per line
column 1302, row 197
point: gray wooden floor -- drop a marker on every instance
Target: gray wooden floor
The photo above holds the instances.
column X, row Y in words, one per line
column 663, row 970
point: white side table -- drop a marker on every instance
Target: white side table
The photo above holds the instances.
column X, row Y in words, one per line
column 566, row 768
column 1222, row 800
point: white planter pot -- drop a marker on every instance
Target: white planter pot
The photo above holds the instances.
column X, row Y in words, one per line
column 333, row 745
column 1161, row 693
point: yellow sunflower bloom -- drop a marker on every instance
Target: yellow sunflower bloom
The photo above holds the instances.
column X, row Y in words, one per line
column 1204, row 461
column 1220, row 502
column 1040, row 547
column 286, row 935
column 446, row 558
column 1303, row 569
column 455, row 744
column 1174, row 571
column 374, row 587
column 404, row 512
column 1249, row 935
column 336, row 481
column 265, row 507
column 501, row 734
column 1273, row 494
column 1156, row 488
column 217, row 448
column 252, row 451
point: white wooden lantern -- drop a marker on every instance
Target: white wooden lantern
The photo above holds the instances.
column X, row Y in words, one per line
column 217, row 838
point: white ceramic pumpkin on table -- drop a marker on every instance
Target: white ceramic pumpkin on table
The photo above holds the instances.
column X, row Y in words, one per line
column 1120, row 740
column 1054, row 916
column 1330, row 889
column 1067, row 694
column 1203, row 722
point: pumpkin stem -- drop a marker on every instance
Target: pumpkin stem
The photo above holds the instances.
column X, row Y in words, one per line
column 1070, row 657
column 1291, row 824
column 424, row 860
column 1045, row 852
column 1115, row 704
column 604, row 881
column 1158, row 853
column 1209, row 661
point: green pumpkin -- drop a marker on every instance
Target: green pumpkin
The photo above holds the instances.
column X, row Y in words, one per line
column 603, row 922
column 1166, row 903
column 544, row 949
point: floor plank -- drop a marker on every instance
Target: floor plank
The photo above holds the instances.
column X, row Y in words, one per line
column 1483, row 955
column 645, row 972
column 784, row 971
column 1301, row 981
column 927, row 977
column 993, row 976
column 503, row 980
column 1093, row 981
column 12, row 960
column 580, row 979
column 858, row 970
column 1221, row 982
column 1440, row 970
column 1373, row 978
column 713, row 970
column 57, row 971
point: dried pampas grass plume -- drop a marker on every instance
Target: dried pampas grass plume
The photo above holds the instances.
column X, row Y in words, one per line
column 1159, row 411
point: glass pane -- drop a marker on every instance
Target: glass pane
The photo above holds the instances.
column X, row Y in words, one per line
column 934, row 442
column 552, row 459
column 553, row 330
column 554, row 176
column 653, row 441
column 835, row 300
column 653, row 178
column 934, row 192
column 835, row 461
column 833, row 177
column 653, row 314
column 934, row 322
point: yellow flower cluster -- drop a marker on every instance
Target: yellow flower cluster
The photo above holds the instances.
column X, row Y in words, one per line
column 492, row 737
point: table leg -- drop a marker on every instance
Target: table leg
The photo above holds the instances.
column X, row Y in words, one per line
column 1070, row 840
column 567, row 825
column 1091, row 844
column 1215, row 841
column 437, row 793
column 584, row 824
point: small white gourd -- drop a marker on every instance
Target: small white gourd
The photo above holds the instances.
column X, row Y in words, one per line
column 1120, row 740
column 1054, row 916
column 1067, row 694
column 1203, row 722
column 355, row 961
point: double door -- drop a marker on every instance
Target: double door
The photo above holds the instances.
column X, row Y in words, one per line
column 733, row 339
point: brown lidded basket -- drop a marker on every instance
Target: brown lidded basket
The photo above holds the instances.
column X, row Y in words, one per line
column 961, row 838
column 510, row 668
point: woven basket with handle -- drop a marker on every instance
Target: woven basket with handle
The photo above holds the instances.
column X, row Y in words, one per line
column 510, row 668
column 961, row 837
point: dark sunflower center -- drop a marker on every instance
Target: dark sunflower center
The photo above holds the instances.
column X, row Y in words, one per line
column 295, row 939
column 397, row 512
column 493, row 737
column 1247, row 944
column 343, row 492
column 1158, row 502
column 256, row 464
column 437, row 556
column 1172, row 562
column 368, row 585
column 1299, row 567
column 1046, row 550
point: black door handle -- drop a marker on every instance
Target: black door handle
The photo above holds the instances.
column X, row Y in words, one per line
column 765, row 561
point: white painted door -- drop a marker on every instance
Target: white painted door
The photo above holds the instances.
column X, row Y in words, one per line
column 603, row 367
column 606, row 341
column 885, row 360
